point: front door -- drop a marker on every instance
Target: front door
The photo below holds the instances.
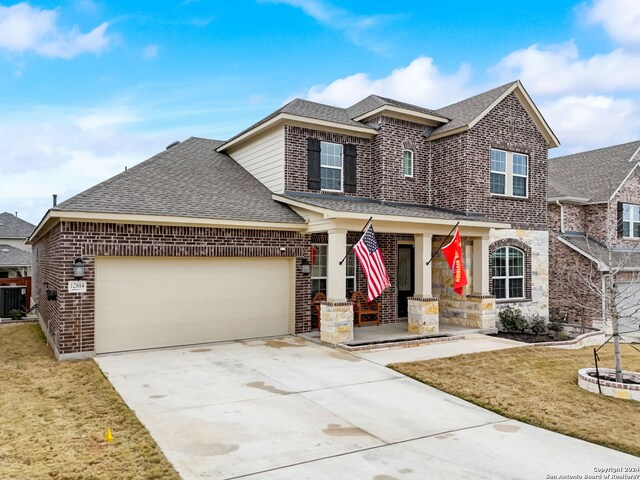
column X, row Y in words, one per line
column 405, row 278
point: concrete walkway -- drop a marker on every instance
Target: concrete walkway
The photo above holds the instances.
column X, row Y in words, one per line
column 291, row 409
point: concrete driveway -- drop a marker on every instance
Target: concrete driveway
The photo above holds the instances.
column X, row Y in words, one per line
column 291, row 409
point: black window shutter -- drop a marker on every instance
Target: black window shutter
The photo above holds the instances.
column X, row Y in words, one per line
column 350, row 168
column 620, row 219
column 313, row 163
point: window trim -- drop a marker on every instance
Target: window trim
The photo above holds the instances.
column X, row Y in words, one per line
column 341, row 168
column 631, row 221
column 404, row 172
column 508, row 277
column 509, row 174
column 347, row 277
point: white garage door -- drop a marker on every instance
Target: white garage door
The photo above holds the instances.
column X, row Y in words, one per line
column 629, row 309
column 160, row 302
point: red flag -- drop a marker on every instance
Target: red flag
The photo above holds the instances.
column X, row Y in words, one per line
column 370, row 258
column 453, row 253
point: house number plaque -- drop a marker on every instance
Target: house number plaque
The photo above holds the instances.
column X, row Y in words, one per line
column 77, row 286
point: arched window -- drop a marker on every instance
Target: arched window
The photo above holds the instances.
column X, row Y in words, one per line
column 407, row 163
column 508, row 273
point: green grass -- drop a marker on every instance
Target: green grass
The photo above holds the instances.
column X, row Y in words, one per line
column 539, row 386
column 54, row 416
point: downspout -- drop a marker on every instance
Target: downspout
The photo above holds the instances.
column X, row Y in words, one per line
column 561, row 216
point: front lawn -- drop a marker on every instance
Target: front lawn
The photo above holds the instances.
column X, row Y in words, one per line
column 540, row 386
column 53, row 418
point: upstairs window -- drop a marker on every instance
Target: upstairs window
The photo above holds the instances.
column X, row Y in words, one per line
column 509, row 173
column 630, row 221
column 331, row 166
column 407, row 163
column 508, row 273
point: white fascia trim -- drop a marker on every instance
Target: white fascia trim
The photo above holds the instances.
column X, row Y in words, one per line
column 334, row 214
column 624, row 181
column 282, row 118
column 601, row 266
column 568, row 199
column 406, row 113
column 54, row 216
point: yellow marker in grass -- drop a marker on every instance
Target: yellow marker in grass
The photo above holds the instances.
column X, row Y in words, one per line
column 108, row 437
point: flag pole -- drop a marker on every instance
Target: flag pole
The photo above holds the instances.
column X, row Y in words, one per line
column 440, row 247
column 361, row 232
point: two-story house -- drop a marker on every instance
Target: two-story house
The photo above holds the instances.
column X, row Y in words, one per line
column 594, row 226
column 220, row 240
column 15, row 255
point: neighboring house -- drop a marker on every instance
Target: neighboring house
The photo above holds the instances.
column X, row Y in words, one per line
column 594, row 223
column 15, row 255
column 213, row 240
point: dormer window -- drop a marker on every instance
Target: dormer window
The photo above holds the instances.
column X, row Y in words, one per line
column 331, row 166
column 407, row 163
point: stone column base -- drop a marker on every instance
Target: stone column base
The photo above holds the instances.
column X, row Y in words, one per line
column 423, row 315
column 336, row 322
column 480, row 311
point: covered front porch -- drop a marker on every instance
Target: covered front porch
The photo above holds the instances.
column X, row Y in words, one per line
column 420, row 300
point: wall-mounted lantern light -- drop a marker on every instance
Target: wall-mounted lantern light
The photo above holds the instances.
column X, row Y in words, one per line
column 305, row 267
column 51, row 293
column 78, row 268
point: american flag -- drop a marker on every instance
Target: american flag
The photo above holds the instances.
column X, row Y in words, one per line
column 370, row 258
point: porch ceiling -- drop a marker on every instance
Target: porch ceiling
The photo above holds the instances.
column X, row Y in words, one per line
column 326, row 212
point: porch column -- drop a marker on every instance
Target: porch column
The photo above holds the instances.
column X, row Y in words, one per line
column 423, row 308
column 481, row 266
column 480, row 308
column 336, row 314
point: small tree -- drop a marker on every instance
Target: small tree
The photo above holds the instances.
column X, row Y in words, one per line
column 602, row 280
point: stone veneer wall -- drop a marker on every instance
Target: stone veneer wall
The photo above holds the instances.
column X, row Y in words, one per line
column 69, row 321
column 537, row 301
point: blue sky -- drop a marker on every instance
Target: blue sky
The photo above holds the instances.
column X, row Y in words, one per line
column 88, row 86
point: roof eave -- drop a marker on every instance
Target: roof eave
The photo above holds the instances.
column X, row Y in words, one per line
column 283, row 118
column 330, row 213
column 448, row 133
column 570, row 199
column 54, row 216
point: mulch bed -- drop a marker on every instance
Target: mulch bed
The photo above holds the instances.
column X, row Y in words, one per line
column 529, row 337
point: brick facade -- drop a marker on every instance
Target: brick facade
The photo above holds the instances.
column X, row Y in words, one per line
column 461, row 167
column 70, row 319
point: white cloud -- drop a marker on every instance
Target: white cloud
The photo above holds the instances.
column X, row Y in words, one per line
column 66, row 154
column 592, row 121
column 620, row 19
column 150, row 51
column 25, row 28
column 357, row 28
column 420, row 83
column 558, row 69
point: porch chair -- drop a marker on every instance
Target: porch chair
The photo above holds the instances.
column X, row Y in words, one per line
column 315, row 309
column 363, row 308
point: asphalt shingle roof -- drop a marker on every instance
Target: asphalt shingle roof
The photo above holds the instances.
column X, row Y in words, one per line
column 590, row 246
column 188, row 180
column 464, row 112
column 14, row 257
column 377, row 207
column 593, row 175
column 14, row 227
